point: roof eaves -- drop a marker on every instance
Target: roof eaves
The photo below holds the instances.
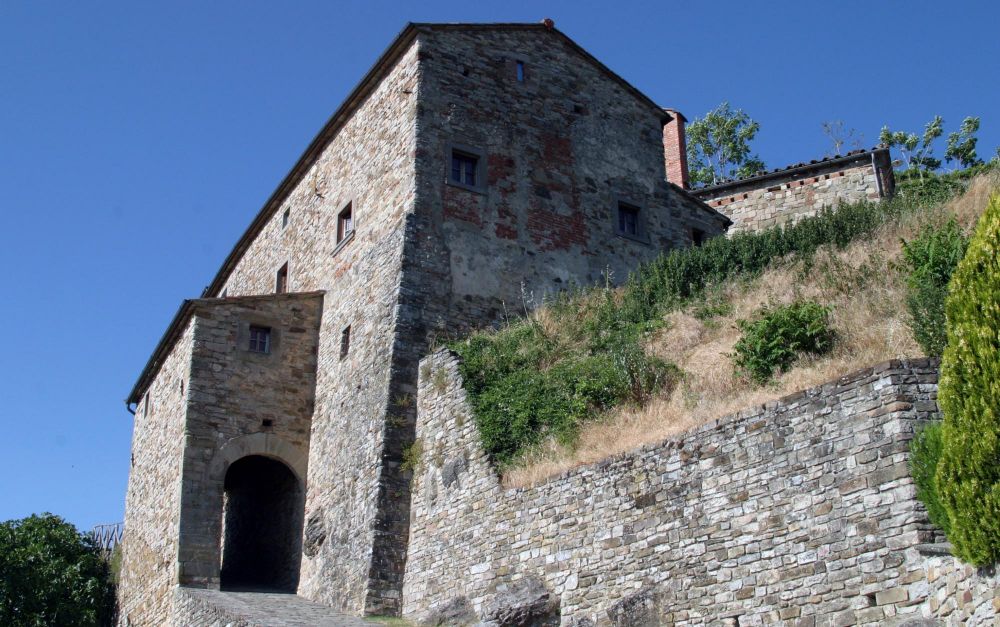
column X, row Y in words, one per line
column 854, row 155
column 357, row 95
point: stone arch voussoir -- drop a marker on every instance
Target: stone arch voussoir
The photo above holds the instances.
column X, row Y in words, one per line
column 264, row 444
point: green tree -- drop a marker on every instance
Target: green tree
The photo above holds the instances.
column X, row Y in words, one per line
column 719, row 146
column 917, row 152
column 968, row 474
column 962, row 144
column 50, row 574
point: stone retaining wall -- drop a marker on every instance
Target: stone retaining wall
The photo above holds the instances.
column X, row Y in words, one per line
column 800, row 512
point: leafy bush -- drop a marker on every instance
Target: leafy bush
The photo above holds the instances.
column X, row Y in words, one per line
column 925, row 451
column 516, row 408
column 532, row 380
column 968, row 475
column 50, row 574
column 931, row 259
column 776, row 336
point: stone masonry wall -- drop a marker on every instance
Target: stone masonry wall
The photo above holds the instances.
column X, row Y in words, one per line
column 369, row 163
column 152, row 503
column 787, row 195
column 561, row 148
column 800, row 512
column 243, row 403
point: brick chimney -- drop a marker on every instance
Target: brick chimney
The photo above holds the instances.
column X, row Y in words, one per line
column 675, row 149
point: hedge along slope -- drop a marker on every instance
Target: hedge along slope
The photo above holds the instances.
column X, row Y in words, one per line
column 542, row 376
column 968, row 475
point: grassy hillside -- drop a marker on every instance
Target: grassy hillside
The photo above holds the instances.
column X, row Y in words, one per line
column 604, row 370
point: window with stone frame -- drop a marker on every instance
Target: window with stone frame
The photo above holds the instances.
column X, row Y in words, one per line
column 464, row 168
column 628, row 220
column 260, row 339
column 345, row 223
column 281, row 280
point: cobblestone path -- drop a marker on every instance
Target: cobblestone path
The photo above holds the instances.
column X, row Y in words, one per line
column 271, row 609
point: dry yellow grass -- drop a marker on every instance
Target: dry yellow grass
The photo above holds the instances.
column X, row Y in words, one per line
column 862, row 283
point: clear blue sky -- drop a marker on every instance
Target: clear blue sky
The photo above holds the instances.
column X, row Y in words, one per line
column 138, row 141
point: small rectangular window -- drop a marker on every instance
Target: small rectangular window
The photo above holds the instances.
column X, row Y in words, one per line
column 463, row 168
column 697, row 237
column 260, row 339
column 520, row 71
column 281, row 280
column 345, row 223
column 628, row 220
column 285, row 217
column 345, row 341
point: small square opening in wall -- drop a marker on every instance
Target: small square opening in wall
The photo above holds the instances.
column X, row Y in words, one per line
column 345, row 222
column 628, row 219
column 464, row 168
column 697, row 237
column 345, row 341
column 281, row 280
column 260, row 339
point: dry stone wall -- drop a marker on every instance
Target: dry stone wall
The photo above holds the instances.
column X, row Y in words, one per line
column 800, row 512
column 784, row 196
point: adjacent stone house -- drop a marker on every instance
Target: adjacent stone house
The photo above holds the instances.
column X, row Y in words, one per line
column 474, row 170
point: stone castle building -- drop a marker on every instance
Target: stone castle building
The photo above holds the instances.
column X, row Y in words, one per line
column 473, row 170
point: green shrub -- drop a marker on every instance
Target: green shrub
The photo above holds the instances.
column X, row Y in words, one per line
column 776, row 336
column 522, row 406
column 968, row 475
column 931, row 259
column 925, row 451
column 525, row 384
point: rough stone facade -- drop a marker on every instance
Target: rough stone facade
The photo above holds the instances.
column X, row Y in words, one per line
column 786, row 195
column 213, row 402
column 560, row 140
column 800, row 512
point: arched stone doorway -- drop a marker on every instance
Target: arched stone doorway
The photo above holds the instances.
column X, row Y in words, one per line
column 262, row 525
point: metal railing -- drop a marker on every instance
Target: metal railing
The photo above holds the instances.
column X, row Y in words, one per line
column 107, row 537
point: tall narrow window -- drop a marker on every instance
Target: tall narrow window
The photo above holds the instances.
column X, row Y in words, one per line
column 281, row 280
column 345, row 223
column 260, row 339
column 285, row 217
column 697, row 237
column 520, row 71
column 628, row 220
column 463, row 168
column 345, row 341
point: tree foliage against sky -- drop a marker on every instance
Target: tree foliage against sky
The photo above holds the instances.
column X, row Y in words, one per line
column 719, row 146
column 962, row 144
column 918, row 152
column 50, row 574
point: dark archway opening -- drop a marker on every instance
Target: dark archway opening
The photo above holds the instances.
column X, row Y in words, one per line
column 262, row 526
